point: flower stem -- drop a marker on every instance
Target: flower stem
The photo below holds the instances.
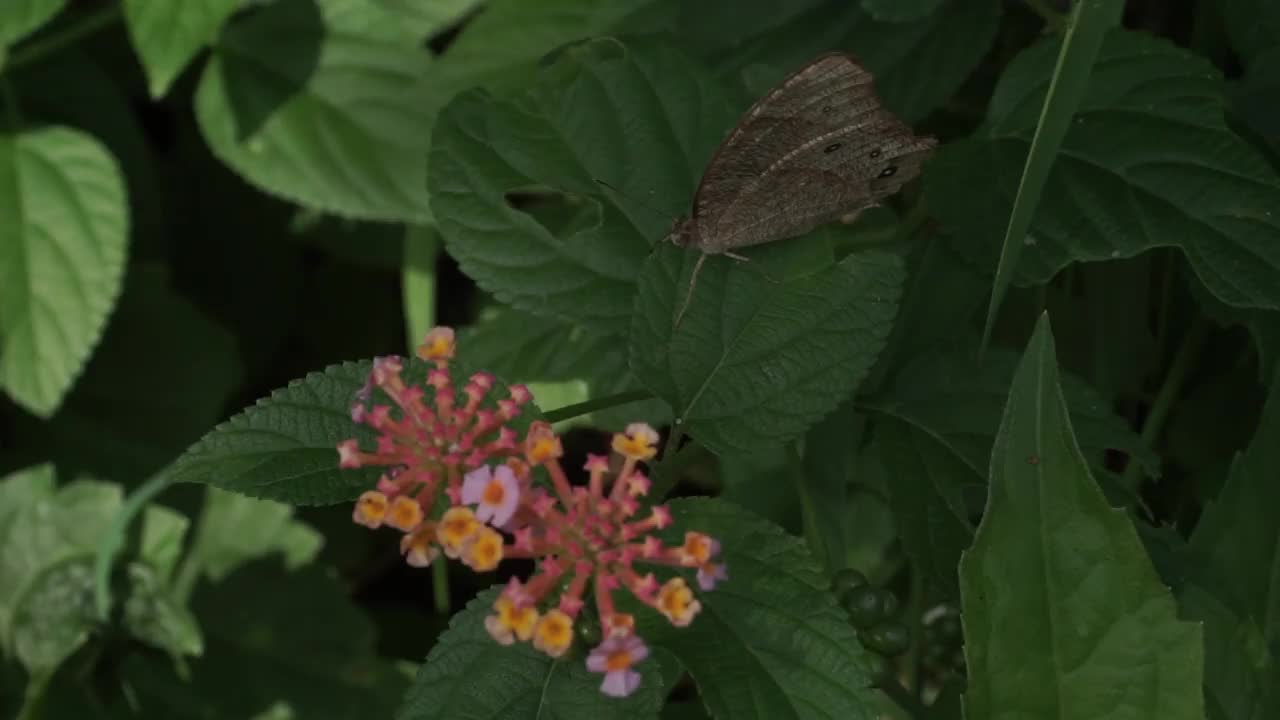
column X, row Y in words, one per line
column 55, row 42
column 588, row 406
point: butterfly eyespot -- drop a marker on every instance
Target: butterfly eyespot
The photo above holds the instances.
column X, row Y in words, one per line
column 827, row 108
column 875, row 153
column 831, row 148
column 889, row 171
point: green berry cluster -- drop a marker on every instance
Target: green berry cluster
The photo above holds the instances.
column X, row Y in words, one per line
column 872, row 611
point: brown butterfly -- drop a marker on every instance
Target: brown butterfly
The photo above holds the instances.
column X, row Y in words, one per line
column 816, row 147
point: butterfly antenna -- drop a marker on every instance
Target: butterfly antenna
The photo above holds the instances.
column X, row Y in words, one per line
column 688, row 296
column 629, row 198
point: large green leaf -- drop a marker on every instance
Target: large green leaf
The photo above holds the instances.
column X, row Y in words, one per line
column 959, row 400
column 918, row 65
column 323, row 102
column 758, row 356
column 1064, row 616
column 62, row 256
column 1235, row 552
column 167, row 35
column 1148, row 162
column 19, row 17
column 285, row 446
column 538, row 351
column 235, row 529
column 469, row 676
column 644, row 120
column 773, row 628
column 900, row 10
column 46, row 566
column 1089, row 24
column 927, row 486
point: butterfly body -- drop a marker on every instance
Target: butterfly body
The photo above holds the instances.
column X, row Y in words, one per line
column 815, row 148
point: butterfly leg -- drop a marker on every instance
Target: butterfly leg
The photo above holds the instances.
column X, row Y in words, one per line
column 688, row 296
column 744, row 258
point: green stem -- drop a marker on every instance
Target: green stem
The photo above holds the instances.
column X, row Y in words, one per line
column 34, row 694
column 589, row 406
column 904, row 699
column 87, row 25
column 113, row 539
column 1169, row 392
column 1056, row 21
column 440, row 586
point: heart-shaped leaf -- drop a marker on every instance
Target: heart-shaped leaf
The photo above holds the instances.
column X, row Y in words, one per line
column 167, row 35
column 62, row 256
column 323, row 102
column 756, row 360
column 643, row 120
column 471, row 677
column 772, row 627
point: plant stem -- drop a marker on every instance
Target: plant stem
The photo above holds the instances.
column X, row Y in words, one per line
column 440, row 587
column 1169, row 392
column 89, row 24
column 1057, row 21
column 588, row 406
column 113, row 538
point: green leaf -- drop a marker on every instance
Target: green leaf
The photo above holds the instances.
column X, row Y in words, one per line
column 297, row 628
column 46, row 566
column 644, row 120
column 285, row 446
column 822, row 478
column 509, row 35
column 534, row 350
column 62, row 255
column 235, row 529
column 918, row 65
column 469, row 676
column 154, row 615
column 1064, row 617
column 900, row 10
column 167, row 35
column 1235, row 556
column 1241, row 674
column 163, row 533
column 20, row 17
column 1252, row 25
column 927, row 487
column 956, row 399
column 427, row 17
column 772, row 627
column 1088, row 26
column 758, row 358
column 323, row 103
column 1148, row 162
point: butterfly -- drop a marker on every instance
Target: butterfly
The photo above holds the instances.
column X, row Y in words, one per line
column 816, row 147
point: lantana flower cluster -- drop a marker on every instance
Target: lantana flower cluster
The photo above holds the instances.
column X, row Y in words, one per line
column 458, row 480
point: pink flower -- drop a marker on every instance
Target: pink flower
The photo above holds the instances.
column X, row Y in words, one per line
column 496, row 492
column 615, row 657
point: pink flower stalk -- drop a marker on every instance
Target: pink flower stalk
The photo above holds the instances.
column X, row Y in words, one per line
column 590, row 542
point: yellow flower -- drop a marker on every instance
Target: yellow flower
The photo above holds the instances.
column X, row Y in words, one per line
column 676, row 601
column 554, row 633
column 458, row 526
column 639, row 442
column 484, row 552
column 511, row 622
column 405, row 514
column 371, row 509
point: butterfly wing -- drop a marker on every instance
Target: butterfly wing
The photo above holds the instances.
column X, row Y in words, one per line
column 817, row 146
